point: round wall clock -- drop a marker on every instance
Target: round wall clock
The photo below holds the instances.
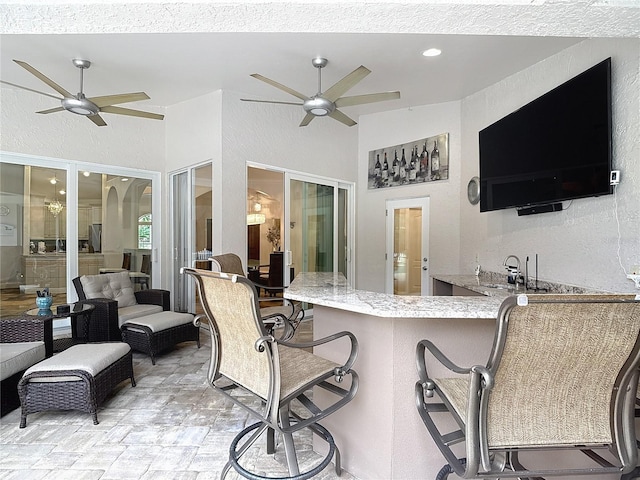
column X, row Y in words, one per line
column 473, row 190
column 4, row 210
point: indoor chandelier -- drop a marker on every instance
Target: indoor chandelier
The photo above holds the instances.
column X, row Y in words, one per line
column 55, row 207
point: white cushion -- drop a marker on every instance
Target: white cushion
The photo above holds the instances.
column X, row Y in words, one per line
column 91, row 358
column 15, row 357
column 114, row 286
column 162, row 321
column 136, row 311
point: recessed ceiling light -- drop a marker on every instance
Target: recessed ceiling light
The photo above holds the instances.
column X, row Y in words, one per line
column 124, row 179
column 53, row 181
column 432, row 52
column 86, row 174
column 62, row 192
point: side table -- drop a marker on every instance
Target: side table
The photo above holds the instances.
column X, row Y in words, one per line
column 79, row 312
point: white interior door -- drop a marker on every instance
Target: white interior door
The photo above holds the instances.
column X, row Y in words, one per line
column 407, row 247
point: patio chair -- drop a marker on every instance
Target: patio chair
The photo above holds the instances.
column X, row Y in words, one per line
column 273, row 310
column 269, row 374
column 562, row 374
column 115, row 302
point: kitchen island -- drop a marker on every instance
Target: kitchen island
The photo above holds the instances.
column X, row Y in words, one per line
column 380, row 433
column 50, row 269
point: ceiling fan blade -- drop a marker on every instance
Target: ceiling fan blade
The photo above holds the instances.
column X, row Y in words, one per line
column 280, row 86
column 108, row 100
column 307, row 119
column 98, row 120
column 52, row 110
column 44, row 78
column 341, row 117
column 346, row 83
column 132, row 113
column 369, row 98
column 30, row 90
column 269, row 101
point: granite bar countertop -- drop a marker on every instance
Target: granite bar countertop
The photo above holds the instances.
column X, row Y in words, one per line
column 495, row 285
column 332, row 290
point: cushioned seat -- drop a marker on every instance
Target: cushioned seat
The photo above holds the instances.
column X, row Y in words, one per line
column 153, row 333
column 78, row 378
column 17, row 357
column 115, row 302
column 136, row 311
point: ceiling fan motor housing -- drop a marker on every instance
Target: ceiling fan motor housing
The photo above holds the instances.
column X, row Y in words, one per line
column 318, row 106
column 80, row 105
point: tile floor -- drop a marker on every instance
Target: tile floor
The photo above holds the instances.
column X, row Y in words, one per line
column 172, row 425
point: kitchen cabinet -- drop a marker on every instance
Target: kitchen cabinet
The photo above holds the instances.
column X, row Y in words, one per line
column 36, row 222
column 55, row 226
column 84, row 220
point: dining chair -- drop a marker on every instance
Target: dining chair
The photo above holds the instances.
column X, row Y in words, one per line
column 562, row 375
column 273, row 310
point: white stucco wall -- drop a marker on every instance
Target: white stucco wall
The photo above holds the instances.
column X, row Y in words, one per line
column 393, row 128
column 125, row 141
column 270, row 135
column 579, row 245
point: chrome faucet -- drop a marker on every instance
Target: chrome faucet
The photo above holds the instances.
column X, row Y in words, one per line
column 513, row 272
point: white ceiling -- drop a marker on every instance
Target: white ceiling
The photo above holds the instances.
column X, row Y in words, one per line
column 172, row 68
column 152, row 46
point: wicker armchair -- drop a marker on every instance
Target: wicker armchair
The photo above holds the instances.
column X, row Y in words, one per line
column 562, row 375
column 108, row 317
column 268, row 373
column 27, row 328
column 275, row 311
column 20, row 330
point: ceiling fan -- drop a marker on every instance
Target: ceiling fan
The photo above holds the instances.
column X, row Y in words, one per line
column 327, row 103
column 81, row 105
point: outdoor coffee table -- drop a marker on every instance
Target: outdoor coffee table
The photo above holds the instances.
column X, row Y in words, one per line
column 78, row 312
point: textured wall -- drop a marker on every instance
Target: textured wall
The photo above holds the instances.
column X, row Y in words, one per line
column 393, row 128
column 579, row 245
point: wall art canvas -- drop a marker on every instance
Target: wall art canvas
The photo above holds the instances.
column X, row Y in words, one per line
column 420, row 161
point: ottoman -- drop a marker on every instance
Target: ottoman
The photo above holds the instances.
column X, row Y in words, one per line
column 79, row 378
column 156, row 332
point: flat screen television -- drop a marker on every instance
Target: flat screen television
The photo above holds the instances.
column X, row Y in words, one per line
column 556, row 148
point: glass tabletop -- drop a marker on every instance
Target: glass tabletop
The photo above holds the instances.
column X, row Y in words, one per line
column 75, row 309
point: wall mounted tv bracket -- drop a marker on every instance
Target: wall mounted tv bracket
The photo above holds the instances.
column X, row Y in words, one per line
column 551, row 207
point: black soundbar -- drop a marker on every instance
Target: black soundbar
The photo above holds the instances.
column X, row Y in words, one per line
column 551, row 207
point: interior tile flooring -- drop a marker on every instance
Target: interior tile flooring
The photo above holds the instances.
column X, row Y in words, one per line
column 172, row 425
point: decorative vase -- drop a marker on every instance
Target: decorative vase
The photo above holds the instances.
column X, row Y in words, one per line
column 44, row 303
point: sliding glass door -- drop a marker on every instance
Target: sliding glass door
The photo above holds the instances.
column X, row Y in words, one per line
column 60, row 219
column 317, row 239
column 191, row 220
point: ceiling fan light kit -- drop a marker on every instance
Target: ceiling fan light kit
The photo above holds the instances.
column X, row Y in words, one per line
column 80, row 104
column 327, row 103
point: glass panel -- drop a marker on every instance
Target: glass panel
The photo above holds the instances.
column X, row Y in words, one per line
column 192, row 203
column 265, row 192
column 33, row 222
column 181, row 249
column 343, row 231
column 311, row 212
column 120, row 206
column 203, row 209
column 407, row 244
